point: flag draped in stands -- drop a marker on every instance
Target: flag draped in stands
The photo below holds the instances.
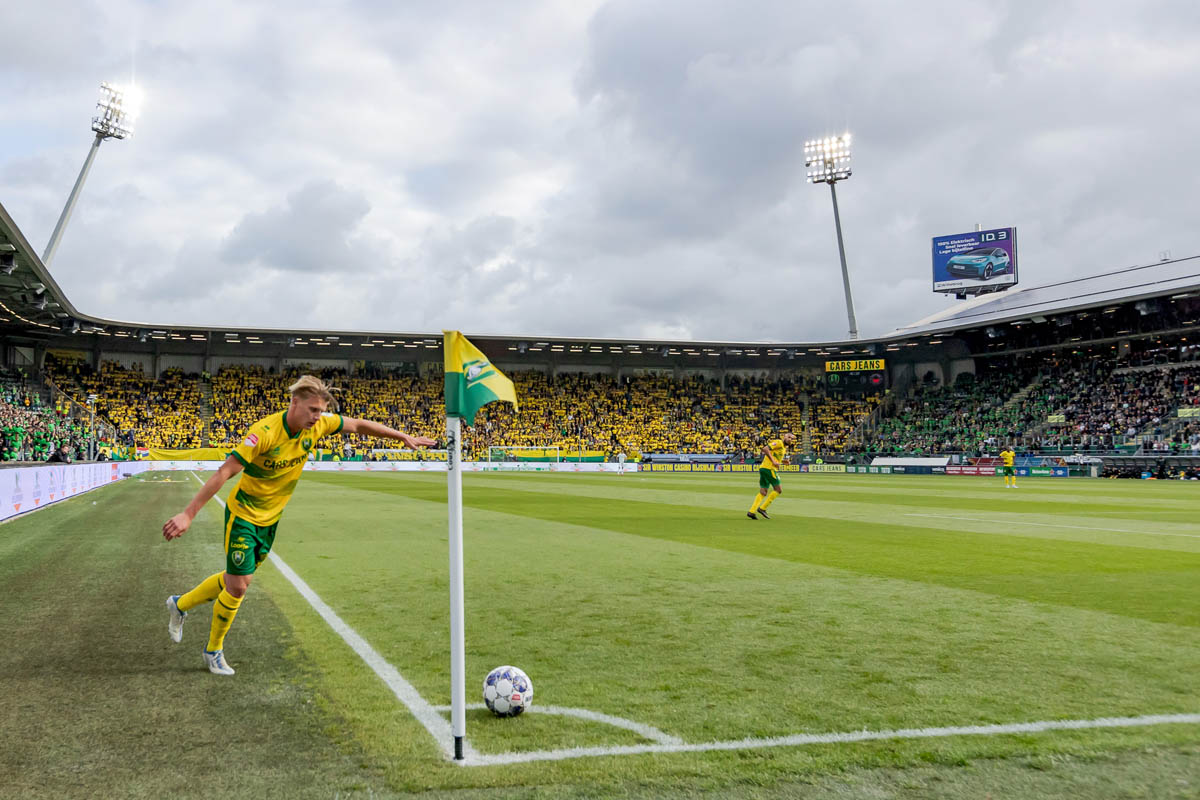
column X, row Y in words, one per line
column 471, row 380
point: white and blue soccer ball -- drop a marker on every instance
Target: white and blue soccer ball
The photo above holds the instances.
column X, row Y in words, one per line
column 507, row 691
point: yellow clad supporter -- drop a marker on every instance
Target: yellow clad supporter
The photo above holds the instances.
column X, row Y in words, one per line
column 572, row 414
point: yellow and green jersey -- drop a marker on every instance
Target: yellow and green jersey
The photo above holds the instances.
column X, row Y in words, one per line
column 777, row 449
column 272, row 458
column 1006, row 457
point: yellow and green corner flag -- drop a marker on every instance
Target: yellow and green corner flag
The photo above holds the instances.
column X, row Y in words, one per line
column 471, row 380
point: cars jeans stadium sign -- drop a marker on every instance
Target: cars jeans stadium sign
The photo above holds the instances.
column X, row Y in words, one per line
column 858, row 365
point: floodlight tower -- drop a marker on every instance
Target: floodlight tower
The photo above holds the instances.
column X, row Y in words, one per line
column 114, row 120
column 828, row 161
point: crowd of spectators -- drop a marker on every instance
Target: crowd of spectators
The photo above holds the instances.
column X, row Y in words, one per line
column 1063, row 403
column 240, row 397
column 1076, row 401
column 573, row 412
column 1100, row 407
column 641, row 414
column 163, row 412
column 35, row 432
column 1048, row 404
column 834, row 421
column 32, row 429
column 961, row 417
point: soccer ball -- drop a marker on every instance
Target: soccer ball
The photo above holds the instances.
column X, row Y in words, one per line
column 507, row 691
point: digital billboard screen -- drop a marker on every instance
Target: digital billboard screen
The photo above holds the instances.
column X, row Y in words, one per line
column 856, row 376
column 975, row 262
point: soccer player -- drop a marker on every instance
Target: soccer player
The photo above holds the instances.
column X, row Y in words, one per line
column 768, row 475
column 1006, row 458
column 271, row 458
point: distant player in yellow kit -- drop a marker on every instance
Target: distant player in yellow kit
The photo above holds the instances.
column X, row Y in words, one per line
column 1006, row 458
column 272, row 456
column 768, row 475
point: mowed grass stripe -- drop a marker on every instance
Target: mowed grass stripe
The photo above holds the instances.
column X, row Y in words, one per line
column 704, row 642
column 943, row 514
column 98, row 702
column 1149, row 494
column 1145, row 583
column 1121, row 499
column 636, row 626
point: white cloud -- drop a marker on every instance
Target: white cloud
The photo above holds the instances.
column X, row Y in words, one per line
column 616, row 169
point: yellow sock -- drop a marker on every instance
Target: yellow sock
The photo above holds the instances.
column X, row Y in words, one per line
column 758, row 498
column 770, row 499
column 208, row 589
column 224, row 610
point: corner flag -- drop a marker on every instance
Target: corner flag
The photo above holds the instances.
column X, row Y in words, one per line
column 471, row 383
column 471, row 380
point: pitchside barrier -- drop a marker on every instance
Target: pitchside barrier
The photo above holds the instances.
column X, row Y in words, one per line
column 25, row 489
column 133, row 467
column 396, row 466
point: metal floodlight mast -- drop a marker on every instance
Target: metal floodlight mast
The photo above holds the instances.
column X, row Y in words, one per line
column 114, row 120
column 828, row 161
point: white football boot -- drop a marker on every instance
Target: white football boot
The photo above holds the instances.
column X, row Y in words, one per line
column 175, row 622
column 217, row 665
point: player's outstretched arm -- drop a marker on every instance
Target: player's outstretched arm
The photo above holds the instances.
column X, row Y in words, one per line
column 366, row 426
column 179, row 523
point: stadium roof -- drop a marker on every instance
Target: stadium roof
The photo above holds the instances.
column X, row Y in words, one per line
column 1172, row 278
column 33, row 308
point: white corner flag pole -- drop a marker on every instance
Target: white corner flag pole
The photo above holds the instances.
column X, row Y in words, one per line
column 458, row 646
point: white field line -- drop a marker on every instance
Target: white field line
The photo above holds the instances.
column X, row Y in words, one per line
column 645, row 731
column 1056, row 525
column 406, row 693
column 439, row 728
column 836, row 738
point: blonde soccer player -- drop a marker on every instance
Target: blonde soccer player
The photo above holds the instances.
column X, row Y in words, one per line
column 768, row 475
column 1006, row 460
column 270, row 458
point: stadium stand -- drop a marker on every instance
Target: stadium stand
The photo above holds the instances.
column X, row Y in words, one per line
column 971, row 415
column 1090, row 364
column 1059, row 403
column 1055, row 403
column 835, row 423
column 162, row 412
column 574, row 412
column 1104, row 407
column 642, row 414
column 30, row 431
column 592, row 413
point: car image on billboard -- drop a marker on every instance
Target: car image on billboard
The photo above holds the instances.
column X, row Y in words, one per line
column 981, row 263
column 966, row 263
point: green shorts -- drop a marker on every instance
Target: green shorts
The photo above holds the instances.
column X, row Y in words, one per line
column 768, row 477
column 246, row 544
column 1008, row 471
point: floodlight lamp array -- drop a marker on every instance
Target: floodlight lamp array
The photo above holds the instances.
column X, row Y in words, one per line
column 828, row 159
column 115, row 117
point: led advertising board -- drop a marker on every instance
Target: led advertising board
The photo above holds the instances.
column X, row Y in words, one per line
column 975, row 262
column 856, row 376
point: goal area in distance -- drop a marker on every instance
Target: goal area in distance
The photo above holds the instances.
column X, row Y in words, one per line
column 512, row 453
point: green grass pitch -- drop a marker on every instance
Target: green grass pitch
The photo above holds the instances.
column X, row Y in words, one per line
column 874, row 603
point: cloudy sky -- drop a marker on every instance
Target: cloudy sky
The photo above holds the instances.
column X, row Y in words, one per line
column 626, row 168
